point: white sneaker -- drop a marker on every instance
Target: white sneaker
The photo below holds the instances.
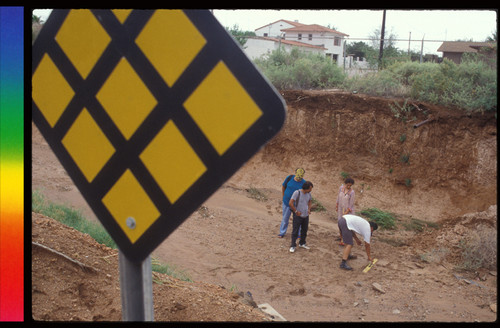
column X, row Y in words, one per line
column 292, row 249
column 304, row 246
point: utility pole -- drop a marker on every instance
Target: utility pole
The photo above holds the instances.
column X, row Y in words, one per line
column 382, row 32
column 422, row 49
column 409, row 40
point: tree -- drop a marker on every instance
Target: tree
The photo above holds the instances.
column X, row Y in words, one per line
column 492, row 38
column 36, row 26
column 389, row 39
column 239, row 35
column 331, row 27
column 358, row 49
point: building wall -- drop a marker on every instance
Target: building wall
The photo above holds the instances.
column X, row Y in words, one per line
column 273, row 30
column 453, row 56
column 326, row 40
column 255, row 48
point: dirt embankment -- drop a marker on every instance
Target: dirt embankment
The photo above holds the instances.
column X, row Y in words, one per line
column 445, row 167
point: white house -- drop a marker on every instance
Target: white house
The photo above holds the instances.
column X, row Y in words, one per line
column 258, row 46
column 288, row 34
column 321, row 36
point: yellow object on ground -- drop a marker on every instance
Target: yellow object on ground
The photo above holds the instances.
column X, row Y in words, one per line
column 369, row 266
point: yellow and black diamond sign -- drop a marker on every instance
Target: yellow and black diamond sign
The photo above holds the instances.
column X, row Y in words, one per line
column 150, row 112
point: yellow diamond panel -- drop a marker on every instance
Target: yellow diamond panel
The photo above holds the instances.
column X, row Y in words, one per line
column 122, row 14
column 222, row 108
column 127, row 199
column 126, row 99
column 51, row 93
column 170, row 41
column 172, row 162
column 82, row 39
column 87, row 145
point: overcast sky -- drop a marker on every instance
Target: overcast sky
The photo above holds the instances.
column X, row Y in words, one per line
column 442, row 25
column 430, row 25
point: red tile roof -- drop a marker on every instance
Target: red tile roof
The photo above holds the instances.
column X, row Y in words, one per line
column 299, row 27
column 282, row 20
column 290, row 42
column 312, row 28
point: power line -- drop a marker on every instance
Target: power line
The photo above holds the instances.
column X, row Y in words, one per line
column 344, row 39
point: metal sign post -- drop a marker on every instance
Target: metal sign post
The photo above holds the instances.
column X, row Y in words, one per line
column 136, row 289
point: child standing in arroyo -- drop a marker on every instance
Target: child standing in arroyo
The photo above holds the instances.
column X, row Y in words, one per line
column 300, row 204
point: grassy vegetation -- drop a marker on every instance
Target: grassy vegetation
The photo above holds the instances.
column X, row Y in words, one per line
column 435, row 255
column 74, row 219
column 344, row 175
column 384, row 220
column 471, row 86
column 419, row 225
column 405, row 158
column 169, row 270
column 403, row 112
column 393, row 241
column 388, row 221
column 317, row 206
column 71, row 218
column 256, row 194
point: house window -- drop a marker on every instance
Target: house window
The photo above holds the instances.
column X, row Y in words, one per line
column 310, row 37
column 336, row 41
column 299, row 36
column 265, row 34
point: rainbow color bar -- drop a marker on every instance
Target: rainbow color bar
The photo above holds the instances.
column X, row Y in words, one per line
column 11, row 164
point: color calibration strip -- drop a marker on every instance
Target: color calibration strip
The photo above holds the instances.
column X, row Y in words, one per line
column 11, row 164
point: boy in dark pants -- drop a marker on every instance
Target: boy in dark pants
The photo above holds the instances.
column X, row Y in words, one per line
column 300, row 204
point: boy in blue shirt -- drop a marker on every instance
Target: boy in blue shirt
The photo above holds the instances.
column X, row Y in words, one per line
column 288, row 187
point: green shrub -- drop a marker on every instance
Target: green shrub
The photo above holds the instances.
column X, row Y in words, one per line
column 479, row 249
column 471, row 86
column 317, row 206
column 303, row 73
column 385, row 220
column 419, row 225
column 256, row 194
column 405, row 158
column 382, row 83
column 300, row 70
